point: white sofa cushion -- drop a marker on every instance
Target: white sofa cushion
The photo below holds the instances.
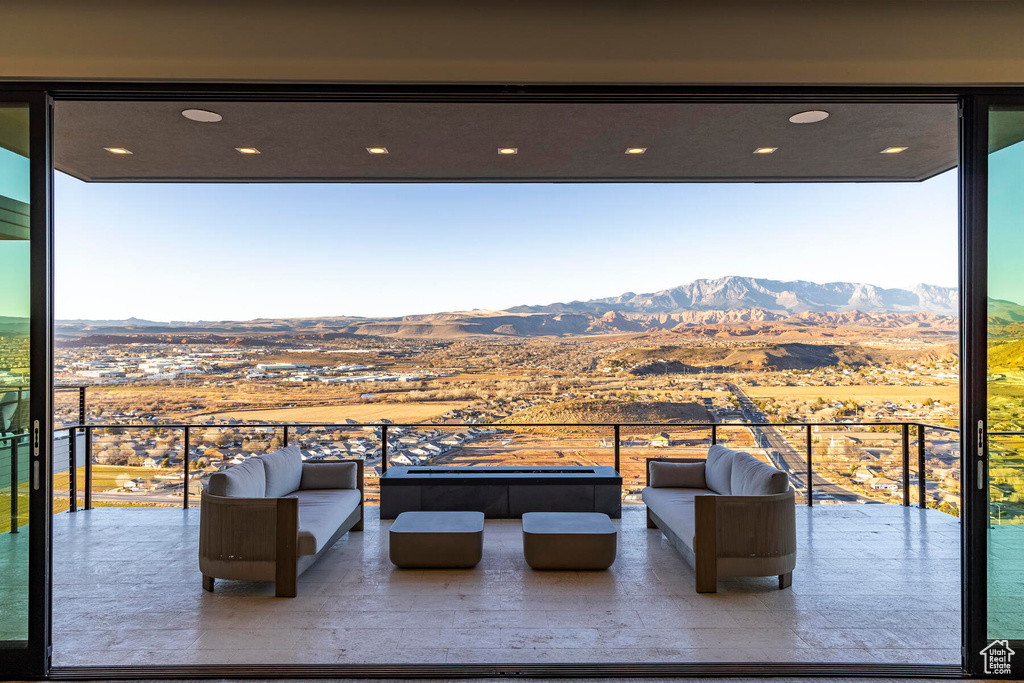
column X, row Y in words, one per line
column 718, row 471
column 679, row 475
column 284, row 471
column 328, row 475
column 751, row 477
column 321, row 514
column 247, row 479
column 675, row 507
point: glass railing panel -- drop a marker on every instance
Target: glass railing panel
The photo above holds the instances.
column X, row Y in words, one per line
column 65, row 407
column 942, row 470
column 637, row 444
column 860, row 463
column 61, row 472
column 136, row 466
column 499, row 445
column 343, row 442
column 14, row 463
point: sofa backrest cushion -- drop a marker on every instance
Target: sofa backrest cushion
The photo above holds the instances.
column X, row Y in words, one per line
column 328, row 475
column 677, row 475
column 751, row 477
column 284, row 471
column 247, row 479
column 718, row 471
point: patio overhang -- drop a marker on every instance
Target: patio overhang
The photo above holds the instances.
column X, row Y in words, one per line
column 689, row 141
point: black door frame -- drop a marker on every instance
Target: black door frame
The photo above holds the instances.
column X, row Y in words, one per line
column 974, row 104
column 974, row 366
column 32, row 661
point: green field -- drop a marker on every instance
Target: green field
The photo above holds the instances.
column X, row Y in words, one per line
column 5, row 508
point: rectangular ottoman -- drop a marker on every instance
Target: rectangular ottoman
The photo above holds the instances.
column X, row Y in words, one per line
column 568, row 540
column 451, row 540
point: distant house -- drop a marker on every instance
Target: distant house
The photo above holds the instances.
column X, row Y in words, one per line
column 863, row 474
column 400, row 459
column 882, row 484
column 1002, row 491
column 660, row 441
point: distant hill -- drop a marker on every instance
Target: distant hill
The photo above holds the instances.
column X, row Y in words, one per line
column 127, row 322
column 734, row 293
column 1008, row 356
column 725, row 307
column 682, row 359
column 10, row 325
column 1005, row 312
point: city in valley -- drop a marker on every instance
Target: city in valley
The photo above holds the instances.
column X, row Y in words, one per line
column 469, row 382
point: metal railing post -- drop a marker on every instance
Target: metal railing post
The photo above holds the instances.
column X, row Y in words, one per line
column 383, row 449
column 72, row 470
column 905, row 428
column 921, row 502
column 284, row 438
column 88, row 468
column 810, row 468
column 714, row 434
column 616, row 448
column 184, row 491
column 14, row 484
column 81, row 405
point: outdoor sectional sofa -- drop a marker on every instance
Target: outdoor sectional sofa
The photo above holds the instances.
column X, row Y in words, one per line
column 270, row 517
column 730, row 515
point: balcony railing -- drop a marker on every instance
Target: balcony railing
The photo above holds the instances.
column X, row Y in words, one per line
column 784, row 453
column 789, row 444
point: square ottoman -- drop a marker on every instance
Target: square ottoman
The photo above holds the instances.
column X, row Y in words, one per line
column 451, row 540
column 568, row 540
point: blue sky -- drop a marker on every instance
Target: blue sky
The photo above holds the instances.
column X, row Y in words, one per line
column 239, row 251
column 1006, row 222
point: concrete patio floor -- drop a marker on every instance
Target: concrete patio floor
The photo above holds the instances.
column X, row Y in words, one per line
column 873, row 584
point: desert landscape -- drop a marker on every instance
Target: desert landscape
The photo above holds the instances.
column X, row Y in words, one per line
column 457, row 388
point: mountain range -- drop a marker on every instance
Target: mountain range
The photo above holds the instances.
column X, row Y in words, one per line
column 736, row 293
column 728, row 306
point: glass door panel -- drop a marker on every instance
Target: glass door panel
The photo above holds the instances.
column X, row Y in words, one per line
column 1005, row 388
column 14, row 373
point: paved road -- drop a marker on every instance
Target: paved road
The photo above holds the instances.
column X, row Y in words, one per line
column 791, row 459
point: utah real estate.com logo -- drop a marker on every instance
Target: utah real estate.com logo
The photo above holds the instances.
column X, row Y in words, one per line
column 997, row 658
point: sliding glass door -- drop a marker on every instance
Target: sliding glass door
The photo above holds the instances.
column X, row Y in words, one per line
column 992, row 205
column 1005, row 405
column 24, row 382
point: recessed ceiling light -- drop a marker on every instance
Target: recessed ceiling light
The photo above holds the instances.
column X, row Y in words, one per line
column 765, row 150
column 508, row 150
column 812, row 116
column 635, row 150
column 377, row 150
column 248, row 150
column 117, row 150
column 202, row 115
column 893, row 150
